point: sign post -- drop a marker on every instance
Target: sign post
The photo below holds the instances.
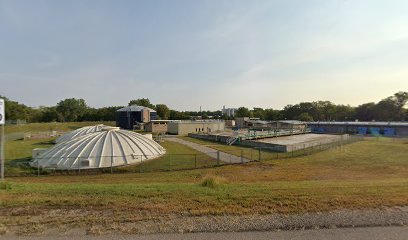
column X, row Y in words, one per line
column 2, row 122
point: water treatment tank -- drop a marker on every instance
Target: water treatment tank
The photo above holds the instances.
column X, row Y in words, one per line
column 110, row 147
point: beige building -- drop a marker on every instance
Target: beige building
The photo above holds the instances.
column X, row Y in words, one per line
column 156, row 126
column 186, row 127
column 230, row 123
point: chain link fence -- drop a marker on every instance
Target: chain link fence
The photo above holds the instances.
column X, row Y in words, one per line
column 170, row 162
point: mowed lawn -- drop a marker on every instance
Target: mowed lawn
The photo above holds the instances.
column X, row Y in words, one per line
column 366, row 174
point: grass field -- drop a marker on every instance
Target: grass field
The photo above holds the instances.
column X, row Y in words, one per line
column 55, row 126
column 366, row 174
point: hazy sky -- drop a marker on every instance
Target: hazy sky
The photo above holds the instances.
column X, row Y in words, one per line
column 203, row 53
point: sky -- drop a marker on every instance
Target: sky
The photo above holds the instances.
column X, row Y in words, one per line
column 188, row 54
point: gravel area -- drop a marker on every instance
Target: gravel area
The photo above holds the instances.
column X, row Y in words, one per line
column 396, row 216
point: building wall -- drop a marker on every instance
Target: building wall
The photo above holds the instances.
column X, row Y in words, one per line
column 241, row 121
column 127, row 120
column 156, row 127
column 184, row 128
column 389, row 131
column 145, row 116
column 230, row 123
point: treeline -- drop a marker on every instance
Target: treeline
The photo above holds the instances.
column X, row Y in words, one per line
column 73, row 110
column 389, row 109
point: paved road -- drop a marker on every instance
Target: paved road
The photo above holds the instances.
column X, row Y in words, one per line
column 224, row 157
column 372, row 233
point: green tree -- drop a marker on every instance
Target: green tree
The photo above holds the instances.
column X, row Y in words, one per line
column 16, row 111
column 305, row 117
column 71, row 109
column 258, row 113
column 272, row 115
column 401, row 99
column 163, row 111
column 145, row 102
column 365, row 112
column 243, row 112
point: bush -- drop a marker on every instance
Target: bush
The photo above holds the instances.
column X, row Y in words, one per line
column 211, row 181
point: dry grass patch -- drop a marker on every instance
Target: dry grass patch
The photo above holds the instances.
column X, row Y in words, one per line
column 211, row 181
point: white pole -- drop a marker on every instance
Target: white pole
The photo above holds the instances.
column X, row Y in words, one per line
column 2, row 153
column 2, row 122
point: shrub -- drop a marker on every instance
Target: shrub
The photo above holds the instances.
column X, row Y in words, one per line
column 211, row 181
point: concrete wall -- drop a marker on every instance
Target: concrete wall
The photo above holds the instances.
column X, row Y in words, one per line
column 214, row 138
column 156, row 127
column 296, row 146
column 269, row 146
column 184, row 128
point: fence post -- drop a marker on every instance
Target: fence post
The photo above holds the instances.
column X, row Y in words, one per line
column 218, row 157
column 169, row 162
column 259, row 154
column 141, row 164
column 242, row 156
column 38, row 168
column 195, row 160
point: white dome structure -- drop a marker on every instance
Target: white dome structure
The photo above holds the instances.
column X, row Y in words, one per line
column 109, row 147
column 80, row 132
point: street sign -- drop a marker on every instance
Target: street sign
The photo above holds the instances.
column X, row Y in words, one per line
column 2, row 115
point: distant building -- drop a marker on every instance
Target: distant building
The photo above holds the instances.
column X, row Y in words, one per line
column 288, row 124
column 128, row 117
column 244, row 122
column 230, row 123
column 229, row 112
column 186, row 127
column 257, row 124
column 157, row 126
column 195, row 118
column 389, row 129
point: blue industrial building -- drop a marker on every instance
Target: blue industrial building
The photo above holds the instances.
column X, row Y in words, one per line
column 388, row 129
column 128, row 117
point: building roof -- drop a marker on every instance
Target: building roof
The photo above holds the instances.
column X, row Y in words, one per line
column 135, row 108
column 80, row 132
column 106, row 148
column 394, row 124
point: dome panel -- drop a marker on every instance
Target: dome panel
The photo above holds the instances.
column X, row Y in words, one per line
column 81, row 132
